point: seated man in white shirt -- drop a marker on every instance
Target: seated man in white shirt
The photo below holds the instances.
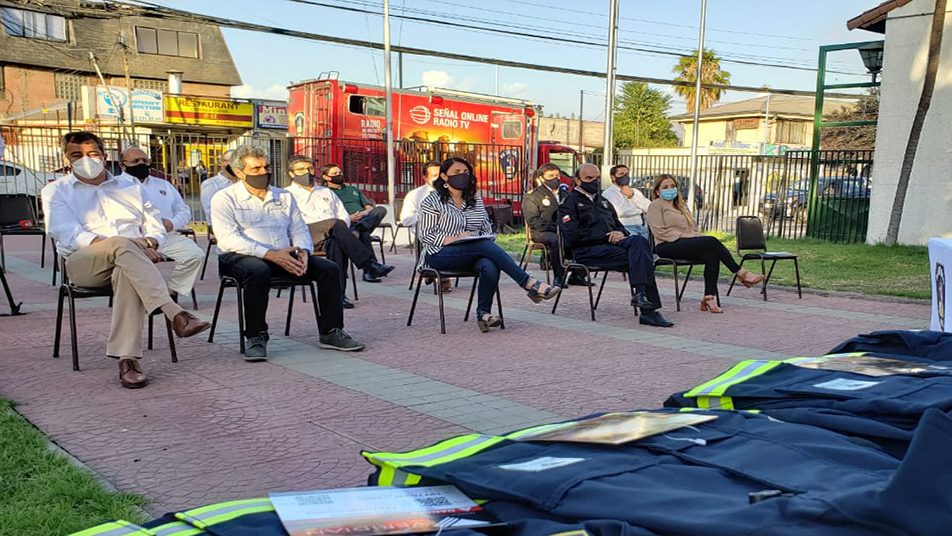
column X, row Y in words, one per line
column 262, row 235
column 108, row 234
column 629, row 203
column 225, row 178
column 328, row 222
column 175, row 215
column 411, row 203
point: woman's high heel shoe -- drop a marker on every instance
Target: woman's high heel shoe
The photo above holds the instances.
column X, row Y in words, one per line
column 709, row 303
column 748, row 279
column 487, row 321
column 533, row 291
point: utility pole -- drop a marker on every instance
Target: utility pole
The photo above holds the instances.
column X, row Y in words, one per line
column 125, row 68
column 697, row 106
column 391, row 157
column 497, row 81
column 581, row 122
column 608, row 154
column 112, row 98
column 766, row 125
column 400, row 69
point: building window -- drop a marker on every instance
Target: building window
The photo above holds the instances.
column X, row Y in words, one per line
column 154, row 85
column 69, row 86
column 166, row 42
column 366, row 105
column 791, row 131
column 34, row 25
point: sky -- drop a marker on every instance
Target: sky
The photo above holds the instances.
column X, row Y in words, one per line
column 780, row 33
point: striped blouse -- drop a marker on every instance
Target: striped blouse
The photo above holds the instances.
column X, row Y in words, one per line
column 439, row 220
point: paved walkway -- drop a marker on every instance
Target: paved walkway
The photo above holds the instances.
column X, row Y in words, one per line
column 213, row 427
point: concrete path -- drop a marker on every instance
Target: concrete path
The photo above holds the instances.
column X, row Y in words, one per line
column 212, row 427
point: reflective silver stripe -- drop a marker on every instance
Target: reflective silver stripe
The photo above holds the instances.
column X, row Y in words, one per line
column 742, row 373
column 182, row 527
column 131, row 529
column 226, row 509
column 399, row 478
column 440, row 454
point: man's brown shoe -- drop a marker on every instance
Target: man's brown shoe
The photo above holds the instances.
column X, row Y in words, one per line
column 130, row 373
column 185, row 325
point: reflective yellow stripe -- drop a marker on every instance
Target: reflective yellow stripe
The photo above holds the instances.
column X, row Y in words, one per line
column 738, row 373
column 219, row 513
column 715, row 402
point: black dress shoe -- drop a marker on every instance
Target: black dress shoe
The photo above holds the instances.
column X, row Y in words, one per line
column 378, row 270
column 370, row 278
column 579, row 281
column 345, row 303
column 655, row 319
column 641, row 301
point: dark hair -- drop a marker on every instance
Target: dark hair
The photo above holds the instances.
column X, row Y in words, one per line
column 298, row 158
column 82, row 136
column 543, row 168
column 469, row 194
column 428, row 165
column 616, row 168
column 327, row 167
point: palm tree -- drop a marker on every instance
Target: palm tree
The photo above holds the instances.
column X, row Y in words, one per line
column 912, row 144
column 686, row 71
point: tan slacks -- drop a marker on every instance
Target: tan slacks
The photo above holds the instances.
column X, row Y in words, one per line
column 188, row 262
column 138, row 288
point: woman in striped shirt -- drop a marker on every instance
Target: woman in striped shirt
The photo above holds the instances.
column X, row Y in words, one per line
column 451, row 219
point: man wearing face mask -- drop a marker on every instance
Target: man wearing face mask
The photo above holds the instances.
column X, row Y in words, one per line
column 410, row 212
column 175, row 215
column 629, row 203
column 592, row 231
column 109, row 234
column 364, row 216
column 540, row 206
column 262, row 235
column 225, row 178
column 327, row 221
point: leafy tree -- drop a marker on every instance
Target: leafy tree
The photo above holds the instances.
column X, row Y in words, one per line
column 686, row 70
column 641, row 117
column 853, row 138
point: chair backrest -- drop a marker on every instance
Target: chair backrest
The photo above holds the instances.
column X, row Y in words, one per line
column 528, row 235
column 390, row 217
column 750, row 234
column 561, row 245
column 397, row 207
column 15, row 208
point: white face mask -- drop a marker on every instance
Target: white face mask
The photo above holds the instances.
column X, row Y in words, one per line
column 88, row 167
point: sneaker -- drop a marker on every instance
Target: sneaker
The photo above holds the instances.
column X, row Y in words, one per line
column 338, row 339
column 256, row 348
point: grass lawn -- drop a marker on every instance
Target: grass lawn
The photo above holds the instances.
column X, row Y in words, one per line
column 42, row 493
column 886, row 270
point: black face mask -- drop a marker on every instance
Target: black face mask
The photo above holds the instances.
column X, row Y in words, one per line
column 304, row 180
column 259, row 182
column 624, row 180
column 336, row 179
column 551, row 184
column 139, row 171
column 461, row 181
column 229, row 170
column 590, row 187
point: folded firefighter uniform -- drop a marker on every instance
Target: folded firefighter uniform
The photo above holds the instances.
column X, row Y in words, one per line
column 933, row 345
column 881, row 408
column 744, row 473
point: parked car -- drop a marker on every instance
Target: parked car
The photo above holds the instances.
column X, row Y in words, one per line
column 18, row 179
column 647, row 182
column 792, row 203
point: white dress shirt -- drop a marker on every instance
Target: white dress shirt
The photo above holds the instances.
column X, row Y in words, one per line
column 77, row 213
column 318, row 204
column 630, row 210
column 164, row 197
column 410, row 212
column 211, row 187
column 247, row 225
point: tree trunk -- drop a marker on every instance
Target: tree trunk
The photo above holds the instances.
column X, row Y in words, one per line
column 928, row 86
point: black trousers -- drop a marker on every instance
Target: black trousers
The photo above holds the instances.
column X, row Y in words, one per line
column 633, row 254
column 705, row 249
column 551, row 241
column 254, row 276
column 366, row 225
column 334, row 238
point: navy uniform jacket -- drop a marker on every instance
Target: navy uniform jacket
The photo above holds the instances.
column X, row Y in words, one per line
column 539, row 206
column 934, row 345
column 586, row 222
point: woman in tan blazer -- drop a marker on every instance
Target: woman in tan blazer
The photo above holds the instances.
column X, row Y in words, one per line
column 676, row 236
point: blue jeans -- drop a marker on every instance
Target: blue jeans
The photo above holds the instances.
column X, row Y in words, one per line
column 487, row 259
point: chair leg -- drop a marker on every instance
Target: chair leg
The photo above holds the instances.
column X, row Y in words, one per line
column 43, row 250
column 3, row 255
column 208, row 251
column 763, row 271
column 55, row 262
column 168, row 330
column 469, row 305
column 287, row 325
column 353, row 280
column 767, row 278
column 149, row 341
column 211, row 332
column 796, row 266
column 502, row 320
column 194, row 300
column 523, row 260
column 684, row 285
column 555, row 305
column 59, row 323
column 317, row 312
column 677, row 296
column 416, row 295
column 74, row 344
column 241, row 320
column 548, row 266
column 393, row 239
column 734, row 279
column 634, row 308
column 278, row 295
column 439, row 293
column 601, row 288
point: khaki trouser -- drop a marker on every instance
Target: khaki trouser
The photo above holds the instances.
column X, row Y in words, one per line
column 188, row 262
column 137, row 288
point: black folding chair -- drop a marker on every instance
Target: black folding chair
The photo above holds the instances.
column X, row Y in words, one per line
column 17, row 210
column 14, row 307
column 188, row 233
column 571, row 266
column 544, row 256
column 276, row 283
column 750, row 236
column 212, row 241
column 675, row 264
column 395, row 230
column 71, row 292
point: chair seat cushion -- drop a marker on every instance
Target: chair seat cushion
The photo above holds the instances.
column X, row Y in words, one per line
column 771, row 255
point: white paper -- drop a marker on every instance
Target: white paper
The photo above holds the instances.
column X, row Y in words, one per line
column 540, row 464
column 843, row 384
column 357, row 502
column 471, row 238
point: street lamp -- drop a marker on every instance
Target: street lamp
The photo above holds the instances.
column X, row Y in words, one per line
column 872, row 55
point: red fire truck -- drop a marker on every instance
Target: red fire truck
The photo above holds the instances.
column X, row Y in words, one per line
column 341, row 122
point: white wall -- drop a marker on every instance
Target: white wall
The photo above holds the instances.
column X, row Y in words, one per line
column 928, row 206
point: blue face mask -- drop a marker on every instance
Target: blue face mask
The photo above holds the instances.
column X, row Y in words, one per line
column 669, row 194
